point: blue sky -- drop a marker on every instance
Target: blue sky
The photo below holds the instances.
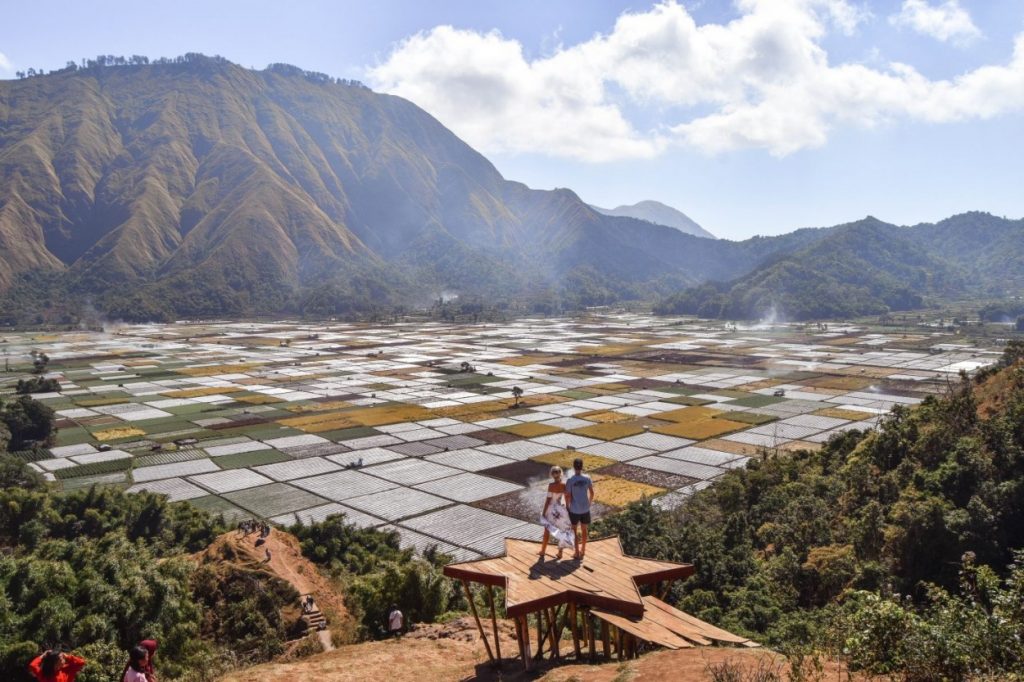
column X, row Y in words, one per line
column 753, row 116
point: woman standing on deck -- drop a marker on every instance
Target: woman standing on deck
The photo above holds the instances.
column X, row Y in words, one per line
column 554, row 516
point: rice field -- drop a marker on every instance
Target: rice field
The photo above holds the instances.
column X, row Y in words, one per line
column 286, row 420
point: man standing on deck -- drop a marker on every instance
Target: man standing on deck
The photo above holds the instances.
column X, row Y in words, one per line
column 579, row 493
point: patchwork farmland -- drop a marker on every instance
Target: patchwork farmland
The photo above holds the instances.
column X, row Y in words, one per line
column 414, row 427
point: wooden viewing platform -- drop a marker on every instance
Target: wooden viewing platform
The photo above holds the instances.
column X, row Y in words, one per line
column 598, row 599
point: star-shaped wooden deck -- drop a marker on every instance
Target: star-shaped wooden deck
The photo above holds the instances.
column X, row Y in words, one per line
column 606, row 578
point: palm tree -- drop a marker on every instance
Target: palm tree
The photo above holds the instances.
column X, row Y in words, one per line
column 516, row 393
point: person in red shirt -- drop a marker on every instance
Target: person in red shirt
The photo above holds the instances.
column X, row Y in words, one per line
column 56, row 666
column 150, row 646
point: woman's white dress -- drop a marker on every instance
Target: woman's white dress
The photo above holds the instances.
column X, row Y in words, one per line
column 556, row 520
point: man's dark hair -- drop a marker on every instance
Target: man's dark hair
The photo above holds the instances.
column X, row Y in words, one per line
column 577, row 464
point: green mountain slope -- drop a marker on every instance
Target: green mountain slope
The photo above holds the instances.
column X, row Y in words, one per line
column 203, row 184
column 862, row 268
column 989, row 249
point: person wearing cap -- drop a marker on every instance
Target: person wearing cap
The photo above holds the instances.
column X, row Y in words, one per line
column 579, row 492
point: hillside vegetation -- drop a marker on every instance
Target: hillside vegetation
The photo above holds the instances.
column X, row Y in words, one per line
column 98, row 570
column 900, row 551
column 869, row 268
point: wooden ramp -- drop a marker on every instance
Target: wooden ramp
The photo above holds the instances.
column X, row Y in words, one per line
column 669, row 627
column 685, row 625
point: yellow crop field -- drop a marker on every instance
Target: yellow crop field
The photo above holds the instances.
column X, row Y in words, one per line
column 840, row 413
column 530, row 429
column 610, row 431
column 472, row 411
column 608, row 389
column 389, row 414
column 564, row 458
column 299, row 422
column 117, row 434
column 686, row 414
column 700, row 429
column 618, row 492
column 210, row 370
column 334, row 425
column 605, row 417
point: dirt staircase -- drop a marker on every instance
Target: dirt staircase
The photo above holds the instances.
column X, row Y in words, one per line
column 314, row 619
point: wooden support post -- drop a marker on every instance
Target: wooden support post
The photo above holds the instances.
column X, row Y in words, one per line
column 575, row 629
column 591, row 649
column 540, row 634
column 664, row 592
column 552, row 634
column 479, row 625
column 519, row 639
column 618, row 643
column 605, row 642
column 494, row 622
column 524, row 627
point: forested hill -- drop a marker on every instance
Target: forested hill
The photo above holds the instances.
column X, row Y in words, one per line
column 900, row 551
column 867, row 268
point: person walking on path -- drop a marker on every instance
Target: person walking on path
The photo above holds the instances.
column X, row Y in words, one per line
column 579, row 491
column 56, row 666
column 396, row 621
column 554, row 517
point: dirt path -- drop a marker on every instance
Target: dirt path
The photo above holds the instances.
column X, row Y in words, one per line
column 455, row 652
column 287, row 563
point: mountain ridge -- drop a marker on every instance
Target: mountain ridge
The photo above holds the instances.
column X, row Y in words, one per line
column 196, row 187
column 659, row 214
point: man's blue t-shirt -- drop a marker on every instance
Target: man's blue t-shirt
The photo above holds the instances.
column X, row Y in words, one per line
column 577, row 487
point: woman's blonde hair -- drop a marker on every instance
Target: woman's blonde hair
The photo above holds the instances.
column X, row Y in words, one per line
column 554, row 469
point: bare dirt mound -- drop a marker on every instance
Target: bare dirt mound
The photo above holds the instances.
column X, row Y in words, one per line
column 454, row 651
column 286, row 562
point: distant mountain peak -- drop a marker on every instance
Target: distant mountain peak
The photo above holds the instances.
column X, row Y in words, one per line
column 658, row 213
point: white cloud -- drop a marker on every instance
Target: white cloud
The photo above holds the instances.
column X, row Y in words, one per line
column 5, row 64
column 948, row 21
column 762, row 80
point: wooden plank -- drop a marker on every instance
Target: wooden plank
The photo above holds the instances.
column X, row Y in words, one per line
column 591, row 649
column 525, row 627
column 494, row 622
column 575, row 629
column 677, row 626
column 553, row 630
column 479, row 625
column 645, row 630
column 706, row 630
